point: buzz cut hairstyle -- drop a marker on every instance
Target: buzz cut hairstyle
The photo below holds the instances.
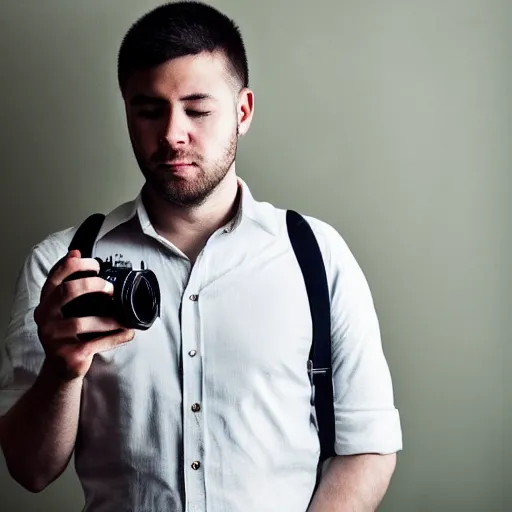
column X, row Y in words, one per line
column 179, row 29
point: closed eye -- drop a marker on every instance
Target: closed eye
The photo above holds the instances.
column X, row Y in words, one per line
column 197, row 113
column 156, row 113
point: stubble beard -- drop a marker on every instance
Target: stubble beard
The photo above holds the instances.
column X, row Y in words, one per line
column 191, row 192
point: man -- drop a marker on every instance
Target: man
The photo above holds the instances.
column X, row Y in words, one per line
column 210, row 408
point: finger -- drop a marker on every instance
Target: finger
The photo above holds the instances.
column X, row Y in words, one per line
column 70, row 290
column 68, row 266
column 107, row 342
column 69, row 329
column 74, row 253
column 71, row 254
column 48, row 283
column 51, row 306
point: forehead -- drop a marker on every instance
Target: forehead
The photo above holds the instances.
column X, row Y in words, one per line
column 205, row 73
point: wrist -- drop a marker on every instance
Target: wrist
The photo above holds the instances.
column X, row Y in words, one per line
column 55, row 373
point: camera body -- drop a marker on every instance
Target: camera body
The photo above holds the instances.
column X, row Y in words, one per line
column 135, row 303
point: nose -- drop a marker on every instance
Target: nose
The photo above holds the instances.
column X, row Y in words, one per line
column 176, row 132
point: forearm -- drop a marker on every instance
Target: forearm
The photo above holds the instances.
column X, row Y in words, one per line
column 38, row 433
column 354, row 483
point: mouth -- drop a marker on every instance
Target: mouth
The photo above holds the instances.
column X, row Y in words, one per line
column 182, row 170
column 176, row 165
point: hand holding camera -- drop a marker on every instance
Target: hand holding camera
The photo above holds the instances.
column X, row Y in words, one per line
column 61, row 336
column 88, row 305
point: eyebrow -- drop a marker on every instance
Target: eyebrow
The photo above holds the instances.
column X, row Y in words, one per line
column 197, row 97
column 144, row 99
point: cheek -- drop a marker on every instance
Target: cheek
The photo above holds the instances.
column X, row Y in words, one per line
column 215, row 136
column 143, row 136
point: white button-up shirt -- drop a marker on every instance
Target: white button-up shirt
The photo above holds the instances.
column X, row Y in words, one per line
column 209, row 409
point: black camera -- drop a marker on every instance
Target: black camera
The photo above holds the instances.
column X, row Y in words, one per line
column 135, row 303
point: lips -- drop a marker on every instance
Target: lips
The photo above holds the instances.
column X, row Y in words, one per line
column 176, row 164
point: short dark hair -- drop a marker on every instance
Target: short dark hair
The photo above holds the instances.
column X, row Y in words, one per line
column 177, row 29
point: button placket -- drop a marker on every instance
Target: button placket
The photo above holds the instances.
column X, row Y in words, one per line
column 193, row 440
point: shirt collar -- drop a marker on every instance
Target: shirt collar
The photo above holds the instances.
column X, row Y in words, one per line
column 260, row 213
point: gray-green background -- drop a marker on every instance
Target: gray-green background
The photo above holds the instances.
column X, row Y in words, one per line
column 389, row 119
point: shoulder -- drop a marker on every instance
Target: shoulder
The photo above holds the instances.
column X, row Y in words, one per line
column 42, row 256
column 331, row 241
column 54, row 245
column 333, row 246
column 342, row 268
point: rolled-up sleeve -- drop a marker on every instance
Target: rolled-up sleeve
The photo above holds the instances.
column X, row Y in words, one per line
column 366, row 419
column 21, row 353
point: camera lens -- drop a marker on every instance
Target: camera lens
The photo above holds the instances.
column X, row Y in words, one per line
column 143, row 300
column 138, row 300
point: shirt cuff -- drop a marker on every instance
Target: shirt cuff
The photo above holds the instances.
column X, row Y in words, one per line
column 359, row 432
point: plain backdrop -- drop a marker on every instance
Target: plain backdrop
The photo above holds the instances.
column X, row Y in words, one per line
column 391, row 120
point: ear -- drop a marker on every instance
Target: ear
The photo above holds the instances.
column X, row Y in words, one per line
column 245, row 110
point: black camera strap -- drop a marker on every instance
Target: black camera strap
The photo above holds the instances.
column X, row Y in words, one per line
column 86, row 234
column 310, row 259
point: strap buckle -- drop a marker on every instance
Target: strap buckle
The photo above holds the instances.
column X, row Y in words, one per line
column 312, row 372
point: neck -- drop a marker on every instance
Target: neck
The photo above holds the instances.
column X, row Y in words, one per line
column 190, row 227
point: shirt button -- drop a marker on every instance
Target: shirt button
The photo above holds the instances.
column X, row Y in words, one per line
column 192, row 353
column 196, row 465
column 196, row 408
column 194, row 298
